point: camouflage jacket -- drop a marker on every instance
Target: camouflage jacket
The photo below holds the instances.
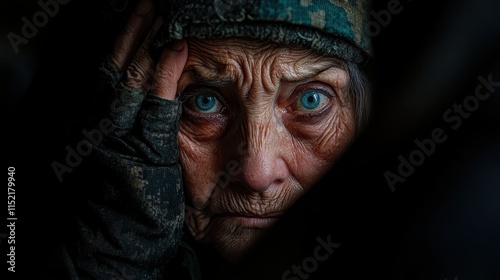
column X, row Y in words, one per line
column 129, row 216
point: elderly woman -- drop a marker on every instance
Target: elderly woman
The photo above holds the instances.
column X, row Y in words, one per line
column 241, row 106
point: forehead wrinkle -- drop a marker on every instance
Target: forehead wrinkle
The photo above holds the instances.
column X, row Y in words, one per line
column 262, row 71
column 275, row 65
column 246, row 64
column 273, row 70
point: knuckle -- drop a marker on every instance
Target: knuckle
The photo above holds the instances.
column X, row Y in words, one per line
column 134, row 77
column 135, row 70
column 121, row 48
column 139, row 74
column 128, row 30
column 118, row 56
column 165, row 73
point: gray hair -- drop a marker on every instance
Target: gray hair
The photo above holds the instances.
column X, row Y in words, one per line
column 360, row 93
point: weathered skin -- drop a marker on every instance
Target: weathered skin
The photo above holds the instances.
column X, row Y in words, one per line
column 269, row 144
column 268, row 150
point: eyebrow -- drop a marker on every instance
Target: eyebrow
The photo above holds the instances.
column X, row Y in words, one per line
column 212, row 82
column 220, row 81
column 298, row 77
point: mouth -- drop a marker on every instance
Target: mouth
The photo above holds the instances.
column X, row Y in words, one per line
column 249, row 220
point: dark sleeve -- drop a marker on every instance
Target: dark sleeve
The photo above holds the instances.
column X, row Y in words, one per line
column 130, row 212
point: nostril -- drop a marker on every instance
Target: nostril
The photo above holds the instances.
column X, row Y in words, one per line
column 279, row 181
column 259, row 174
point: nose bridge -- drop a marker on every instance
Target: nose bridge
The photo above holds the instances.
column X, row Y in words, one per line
column 258, row 134
column 261, row 163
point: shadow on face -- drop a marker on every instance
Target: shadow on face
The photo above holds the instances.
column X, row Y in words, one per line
column 261, row 124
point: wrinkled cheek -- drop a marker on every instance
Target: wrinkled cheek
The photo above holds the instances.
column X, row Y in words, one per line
column 329, row 146
column 337, row 138
column 198, row 168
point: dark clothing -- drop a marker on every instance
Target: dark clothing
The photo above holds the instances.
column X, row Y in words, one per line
column 130, row 216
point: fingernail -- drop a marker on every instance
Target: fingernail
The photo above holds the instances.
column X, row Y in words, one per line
column 176, row 45
column 143, row 8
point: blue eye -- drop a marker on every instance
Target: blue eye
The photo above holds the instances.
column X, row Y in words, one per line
column 204, row 103
column 311, row 100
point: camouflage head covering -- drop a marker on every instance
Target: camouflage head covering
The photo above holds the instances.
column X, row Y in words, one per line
column 330, row 27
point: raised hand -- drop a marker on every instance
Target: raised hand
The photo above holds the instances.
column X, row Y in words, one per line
column 132, row 214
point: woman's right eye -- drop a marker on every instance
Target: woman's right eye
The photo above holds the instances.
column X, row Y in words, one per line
column 204, row 103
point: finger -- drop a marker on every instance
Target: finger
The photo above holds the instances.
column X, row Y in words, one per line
column 129, row 94
column 128, row 41
column 141, row 70
column 169, row 70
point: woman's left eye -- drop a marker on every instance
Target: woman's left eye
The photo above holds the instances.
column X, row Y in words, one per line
column 311, row 100
column 205, row 103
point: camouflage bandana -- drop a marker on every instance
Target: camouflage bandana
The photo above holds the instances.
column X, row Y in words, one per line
column 330, row 27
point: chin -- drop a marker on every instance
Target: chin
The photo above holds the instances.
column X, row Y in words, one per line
column 233, row 236
column 232, row 247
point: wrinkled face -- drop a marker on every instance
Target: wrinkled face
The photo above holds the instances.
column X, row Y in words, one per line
column 260, row 125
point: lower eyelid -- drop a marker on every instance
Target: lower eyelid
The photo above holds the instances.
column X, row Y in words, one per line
column 218, row 119
column 203, row 128
column 311, row 117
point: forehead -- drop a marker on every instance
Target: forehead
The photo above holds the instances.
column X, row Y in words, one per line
column 232, row 57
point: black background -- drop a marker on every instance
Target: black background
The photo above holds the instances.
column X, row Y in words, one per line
column 442, row 222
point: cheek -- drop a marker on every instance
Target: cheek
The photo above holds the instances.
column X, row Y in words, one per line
column 335, row 137
column 317, row 148
column 198, row 161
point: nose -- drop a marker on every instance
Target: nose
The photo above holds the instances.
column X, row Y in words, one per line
column 262, row 163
